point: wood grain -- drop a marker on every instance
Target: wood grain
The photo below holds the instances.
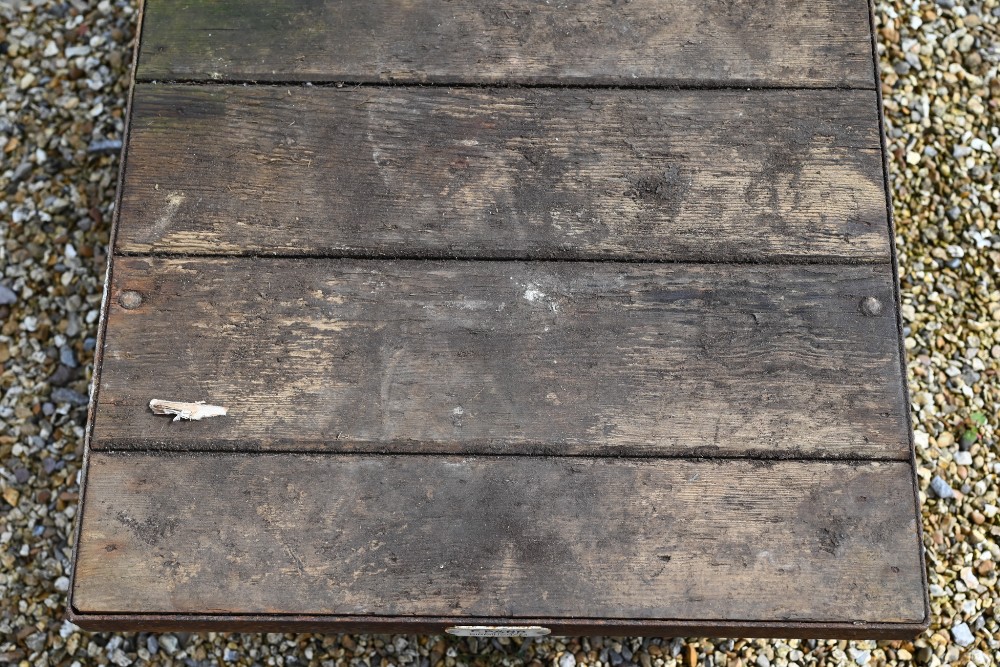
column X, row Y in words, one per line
column 642, row 42
column 529, row 173
column 505, row 357
column 506, row 537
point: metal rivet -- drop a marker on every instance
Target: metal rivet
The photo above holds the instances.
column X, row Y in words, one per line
column 871, row 306
column 130, row 299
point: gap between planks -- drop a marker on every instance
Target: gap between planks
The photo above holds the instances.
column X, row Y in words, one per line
column 771, row 260
column 764, row 460
column 505, row 85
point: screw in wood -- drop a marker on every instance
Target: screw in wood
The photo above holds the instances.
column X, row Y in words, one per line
column 130, row 299
column 871, row 306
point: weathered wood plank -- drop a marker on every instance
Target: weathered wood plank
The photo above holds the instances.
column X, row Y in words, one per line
column 501, row 537
column 527, row 173
column 505, row 357
column 643, row 42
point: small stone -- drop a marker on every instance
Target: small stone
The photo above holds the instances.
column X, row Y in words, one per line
column 65, row 395
column 762, row 661
column 66, row 357
column 962, row 635
column 169, row 643
column 120, row 658
column 67, row 629
column 36, row 641
column 985, row 568
column 61, row 584
column 11, row 495
column 945, row 440
column 941, row 488
column 63, row 376
column 860, row 657
column 7, row 295
column 105, row 146
column 692, row 656
column 903, row 654
column 963, row 458
column 152, row 644
column 567, row 659
column 979, row 658
column 229, row 655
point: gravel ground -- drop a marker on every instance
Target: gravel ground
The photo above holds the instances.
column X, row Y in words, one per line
column 61, row 108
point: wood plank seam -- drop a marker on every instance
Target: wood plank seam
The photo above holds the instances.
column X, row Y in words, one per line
column 757, row 457
column 460, row 84
column 816, row 260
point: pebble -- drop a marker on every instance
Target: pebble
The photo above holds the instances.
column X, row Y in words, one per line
column 7, row 295
column 67, row 357
column 860, row 657
column 105, row 146
column 169, row 643
column 567, row 660
column 941, row 488
column 962, row 635
column 64, row 395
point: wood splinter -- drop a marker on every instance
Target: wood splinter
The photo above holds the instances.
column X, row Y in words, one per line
column 191, row 411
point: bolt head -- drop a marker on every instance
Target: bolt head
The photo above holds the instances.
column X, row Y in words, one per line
column 871, row 306
column 130, row 299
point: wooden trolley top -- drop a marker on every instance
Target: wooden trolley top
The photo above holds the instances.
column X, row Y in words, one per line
column 580, row 315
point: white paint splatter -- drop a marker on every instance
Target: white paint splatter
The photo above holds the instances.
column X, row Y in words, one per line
column 533, row 295
column 159, row 228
